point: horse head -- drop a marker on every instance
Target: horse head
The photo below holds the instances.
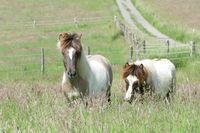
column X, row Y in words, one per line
column 70, row 46
column 134, row 77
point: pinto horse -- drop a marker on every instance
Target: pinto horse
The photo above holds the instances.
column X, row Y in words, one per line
column 83, row 75
column 157, row 75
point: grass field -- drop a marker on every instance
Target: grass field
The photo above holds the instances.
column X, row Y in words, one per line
column 177, row 11
column 32, row 102
column 176, row 19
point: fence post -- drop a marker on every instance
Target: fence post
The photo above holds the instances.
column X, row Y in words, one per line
column 34, row 23
column 125, row 32
column 137, row 51
column 144, row 46
column 42, row 60
column 129, row 37
column 87, row 50
column 120, row 26
column 167, row 46
column 192, row 48
column 75, row 21
column 116, row 22
column 123, row 28
column 135, row 40
column 131, row 55
column 115, row 19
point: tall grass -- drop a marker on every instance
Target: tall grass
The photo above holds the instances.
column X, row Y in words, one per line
column 45, row 109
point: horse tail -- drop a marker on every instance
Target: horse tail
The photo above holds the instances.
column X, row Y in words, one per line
column 174, row 81
column 108, row 91
column 111, row 74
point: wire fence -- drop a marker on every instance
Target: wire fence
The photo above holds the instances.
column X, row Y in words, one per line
column 49, row 60
column 38, row 23
column 165, row 49
column 44, row 62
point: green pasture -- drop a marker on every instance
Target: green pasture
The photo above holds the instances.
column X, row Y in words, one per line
column 173, row 23
column 33, row 102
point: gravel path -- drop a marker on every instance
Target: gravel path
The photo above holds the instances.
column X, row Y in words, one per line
column 127, row 10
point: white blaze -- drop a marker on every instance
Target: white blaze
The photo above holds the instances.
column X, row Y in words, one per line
column 71, row 52
column 131, row 79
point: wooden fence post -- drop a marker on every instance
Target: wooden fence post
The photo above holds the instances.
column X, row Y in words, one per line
column 75, row 21
column 123, row 28
column 144, row 46
column 125, row 32
column 131, row 55
column 116, row 22
column 42, row 61
column 167, row 46
column 34, row 23
column 120, row 26
column 129, row 37
column 137, row 51
column 87, row 50
column 192, row 48
column 115, row 19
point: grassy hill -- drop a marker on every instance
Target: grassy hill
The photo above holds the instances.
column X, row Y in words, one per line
column 177, row 19
column 32, row 102
column 179, row 11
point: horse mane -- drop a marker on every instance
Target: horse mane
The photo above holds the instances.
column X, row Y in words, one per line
column 127, row 69
column 134, row 69
column 70, row 40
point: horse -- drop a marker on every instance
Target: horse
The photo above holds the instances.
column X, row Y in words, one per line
column 158, row 76
column 84, row 75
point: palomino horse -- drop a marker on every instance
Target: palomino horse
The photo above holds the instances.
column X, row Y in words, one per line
column 83, row 75
column 158, row 75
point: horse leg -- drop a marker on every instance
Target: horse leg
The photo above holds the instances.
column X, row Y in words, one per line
column 141, row 93
column 168, row 98
column 108, row 94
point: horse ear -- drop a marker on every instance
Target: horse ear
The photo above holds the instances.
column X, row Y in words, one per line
column 62, row 34
column 59, row 36
column 126, row 64
column 141, row 66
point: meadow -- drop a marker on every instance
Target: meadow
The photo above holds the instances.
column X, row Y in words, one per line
column 33, row 102
column 176, row 19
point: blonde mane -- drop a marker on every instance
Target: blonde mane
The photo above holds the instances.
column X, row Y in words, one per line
column 67, row 40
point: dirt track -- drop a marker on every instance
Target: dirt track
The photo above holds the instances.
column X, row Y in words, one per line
column 127, row 10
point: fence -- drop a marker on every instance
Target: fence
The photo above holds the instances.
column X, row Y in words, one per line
column 44, row 60
column 41, row 60
column 144, row 50
column 36, row 23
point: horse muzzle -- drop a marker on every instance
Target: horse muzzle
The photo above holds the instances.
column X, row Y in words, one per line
column 71, row 75
column 128, row 99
